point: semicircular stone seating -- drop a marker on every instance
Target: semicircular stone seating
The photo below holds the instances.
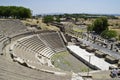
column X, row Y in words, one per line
column 30, row 48
column 38, row 49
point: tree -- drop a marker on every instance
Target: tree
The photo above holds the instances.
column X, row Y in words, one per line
column 48, row 19
column 76, row 19
column 15, row 12
column 90, row 28
column 109, row 34
column 57, row 19
column 100, row 25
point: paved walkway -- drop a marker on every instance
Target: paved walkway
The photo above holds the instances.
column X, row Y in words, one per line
column 98, row 62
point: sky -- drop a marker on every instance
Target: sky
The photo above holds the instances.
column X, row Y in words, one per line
column 67, row 6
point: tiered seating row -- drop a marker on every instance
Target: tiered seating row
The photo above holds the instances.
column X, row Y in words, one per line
column 25, row 55
column 9, row 27
column 3, row 42
column 53, row 41
column 37, row 46
column 2, row 38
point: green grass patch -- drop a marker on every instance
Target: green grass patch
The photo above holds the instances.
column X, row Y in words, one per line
column 60, row 57
column 77, row 30
column 59, row 60
column 65, row 61
column 60, row 54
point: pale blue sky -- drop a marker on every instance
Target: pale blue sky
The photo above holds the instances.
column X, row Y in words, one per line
column 67, row 6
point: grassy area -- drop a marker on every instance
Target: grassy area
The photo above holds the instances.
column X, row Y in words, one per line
column 77, row 30
column 40, row 23
column 118, row 33
column 60, row 56
column 65, row 61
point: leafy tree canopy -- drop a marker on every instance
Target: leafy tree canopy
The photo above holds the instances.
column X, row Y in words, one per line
column 89, row 28
column 109, row 34
column 100, row 24
column 15, row 12
column 57, row 19
column 48, row 19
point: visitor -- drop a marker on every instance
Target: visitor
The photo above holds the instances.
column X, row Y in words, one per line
column 114, row 73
